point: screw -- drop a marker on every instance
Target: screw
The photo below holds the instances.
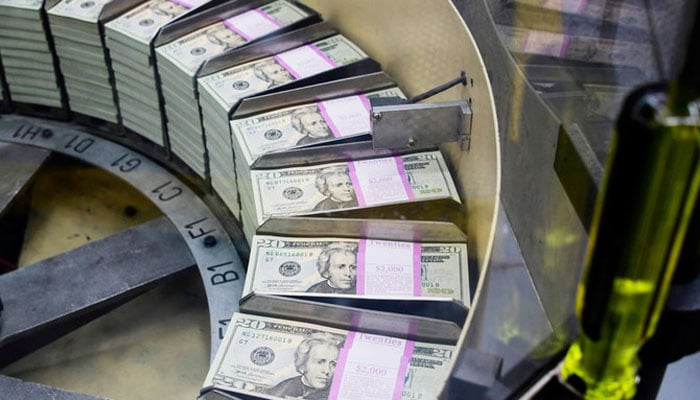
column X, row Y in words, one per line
column 209, row 241
column 130, row 211
column 411, row 142
column 46, row 133
column 377, row 116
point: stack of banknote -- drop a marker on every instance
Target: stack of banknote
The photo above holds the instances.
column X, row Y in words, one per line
column 30, row 69
column 353, row 267
column 281, row 359
column 128, row 39
column 529, row 42
column 220, row 92
column 179, row 60
column 593, row 18
column 302, row 125
column 424, row 284
column 84, row 62
column 628, row 14
column 340, row 186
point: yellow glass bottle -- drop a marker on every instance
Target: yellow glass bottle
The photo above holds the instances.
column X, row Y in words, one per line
column 642, row 213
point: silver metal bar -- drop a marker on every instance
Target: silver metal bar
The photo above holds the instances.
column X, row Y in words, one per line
column 23, row 162
column 16, row 389
column 383, row 229
column 46, row 299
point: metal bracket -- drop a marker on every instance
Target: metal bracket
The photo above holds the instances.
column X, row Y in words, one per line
column 405, row 126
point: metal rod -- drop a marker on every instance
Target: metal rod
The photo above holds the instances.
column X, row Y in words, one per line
column 439, row 89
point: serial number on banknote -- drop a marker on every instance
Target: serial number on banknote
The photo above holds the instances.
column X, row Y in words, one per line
column 263, row 336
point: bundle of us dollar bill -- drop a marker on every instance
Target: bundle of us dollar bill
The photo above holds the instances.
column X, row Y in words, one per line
column 27, row 57
column 625, row 13
column 577, row 48
column 128, row 39
column 576, row 17
column 180, row 57
column 84, row 61
column 372, row 268
column 421, row 282
column 220, row 92
column 339, row 186
column 300, row 125
column 279, row 359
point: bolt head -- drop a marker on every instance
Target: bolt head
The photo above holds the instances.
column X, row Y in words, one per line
column 209, row 241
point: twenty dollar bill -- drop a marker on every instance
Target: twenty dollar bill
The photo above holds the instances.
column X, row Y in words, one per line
column 348, row 185
column 305, row 124
column 376, row 268
column 275, row 358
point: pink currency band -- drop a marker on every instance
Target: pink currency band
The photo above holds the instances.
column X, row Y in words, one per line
column 416, row 269
column 322, row 55
column 583, row 5
column 245, row 35
column 403, row 367
column 328, row 119
column 286, row 66
column 183, row 3
column 564, row 46
column 298, row 74
column 361, row 262
column 356, row 184
column 267, row 17
column 404, row 178
column 365, row 102
column 526, row 39
column 340, row 366
column 238, row 31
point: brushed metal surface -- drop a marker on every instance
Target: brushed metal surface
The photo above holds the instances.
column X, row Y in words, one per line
column 22, row 164
column 16, row 389
column 108, row 271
